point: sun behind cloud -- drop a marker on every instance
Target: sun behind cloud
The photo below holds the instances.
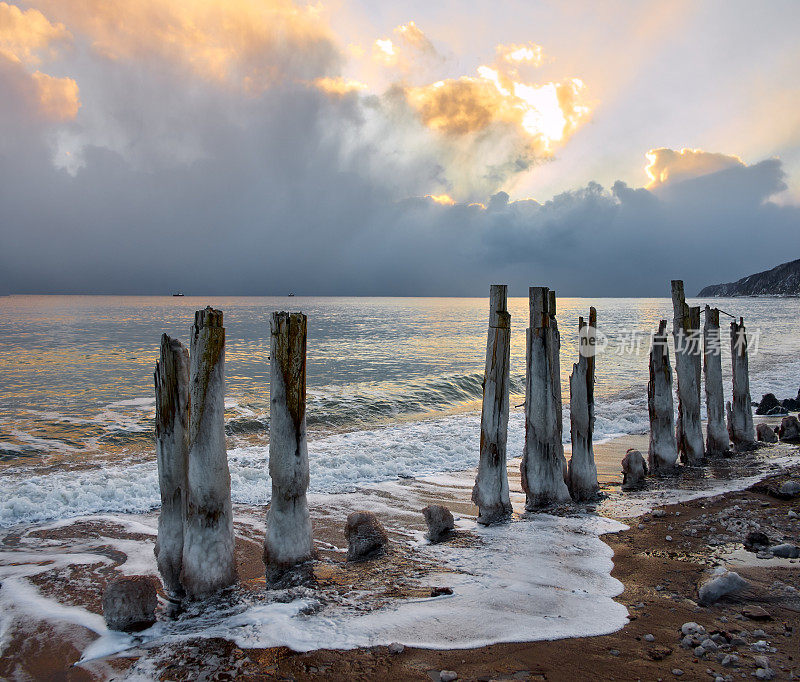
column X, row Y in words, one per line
column 670, row 165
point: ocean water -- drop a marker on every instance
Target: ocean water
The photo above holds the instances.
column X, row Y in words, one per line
column 394, row 387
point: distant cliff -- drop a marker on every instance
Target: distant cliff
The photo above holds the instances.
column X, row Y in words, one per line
column 782, row 280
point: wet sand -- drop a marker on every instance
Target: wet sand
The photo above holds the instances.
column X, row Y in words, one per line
column 659, row 576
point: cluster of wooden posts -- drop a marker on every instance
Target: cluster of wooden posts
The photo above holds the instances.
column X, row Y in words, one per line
column 685, row 439
column 546, row 477
column 195, row 548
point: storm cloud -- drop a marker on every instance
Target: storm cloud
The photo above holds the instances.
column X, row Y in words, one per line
column 187, row 164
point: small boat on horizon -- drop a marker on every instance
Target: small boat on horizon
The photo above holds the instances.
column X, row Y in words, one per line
column 180, row 293
column 291, row 294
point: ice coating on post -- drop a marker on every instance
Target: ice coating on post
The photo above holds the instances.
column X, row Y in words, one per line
column 740, row 415
column 543, row 466
column 716, row 431
column 686, row 333
column 582, row 473
column 208, row 540
column 172, row 449
column 288, row 539
column 490, row 493
column 663, row 451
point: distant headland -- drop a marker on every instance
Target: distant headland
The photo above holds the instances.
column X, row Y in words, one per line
column 782, row 280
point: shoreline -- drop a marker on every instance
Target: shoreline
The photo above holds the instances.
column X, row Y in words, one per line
column 401, row 576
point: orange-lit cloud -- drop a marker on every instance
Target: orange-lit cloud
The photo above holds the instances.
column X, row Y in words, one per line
column 441, row 199
column 515, row 54
column 339, row 85
column 247, row 43
column 542, row 113
column 405, row 49
column 26, row 39
column 669, row 165
column 27, row 35
column 58, row 97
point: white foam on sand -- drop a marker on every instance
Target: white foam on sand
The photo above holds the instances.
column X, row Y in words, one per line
column 543, row 578
column 540, row 577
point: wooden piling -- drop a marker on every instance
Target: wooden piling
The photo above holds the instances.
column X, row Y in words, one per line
column 663, row 450
column 582, row 471
column 171, row 378
column 717, row 441
column 208, row 549
column 688, row 353
column 491, row 493
column 740, row 415
column 543, row 466
column 288, row 540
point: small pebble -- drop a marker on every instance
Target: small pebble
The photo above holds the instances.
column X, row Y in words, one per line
column 759, row 633
column 396, row 648
column 649, row 638
column 677, row 672
column 669, row 539
column 614, row 652
column 640, row 526
column 658, row 513
column 448, row 676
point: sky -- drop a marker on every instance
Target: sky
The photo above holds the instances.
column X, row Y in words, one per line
column 407, row 148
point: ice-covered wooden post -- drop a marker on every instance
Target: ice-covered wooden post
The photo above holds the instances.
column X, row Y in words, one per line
column 208, row 542
column 490, row 493
column 288, row 540
column 172, row 448
column 543, row 466
column 663, row 451
column 686, row 333
column 716, row 431
column 740, row 416
column 582, row 473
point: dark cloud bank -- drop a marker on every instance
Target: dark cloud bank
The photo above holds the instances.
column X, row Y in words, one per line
column 296, row 191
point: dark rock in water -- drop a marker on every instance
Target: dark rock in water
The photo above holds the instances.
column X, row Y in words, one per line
column 634, row 470
column 790, row 404
column 129, row 603
column 439, row 591
column 768, row 402
column 755, row 541
column 789, row 430
column 764, row 432
column 777, row 411
column 365, row 535
column 440, row 522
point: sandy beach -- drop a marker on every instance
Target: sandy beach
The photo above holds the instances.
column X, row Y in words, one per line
column 659, row 561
